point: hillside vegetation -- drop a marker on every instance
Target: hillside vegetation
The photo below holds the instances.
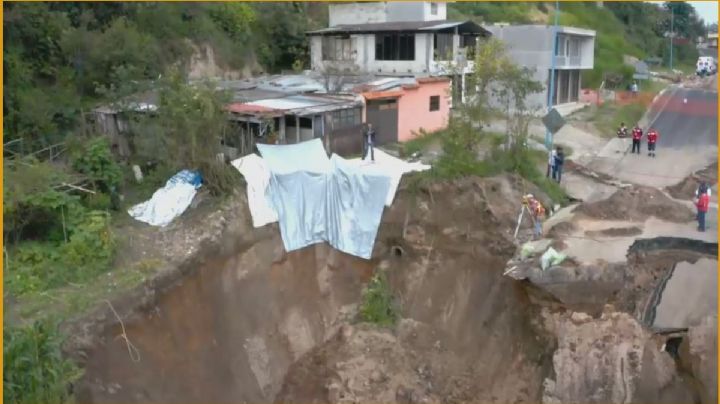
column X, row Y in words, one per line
column 623, row 28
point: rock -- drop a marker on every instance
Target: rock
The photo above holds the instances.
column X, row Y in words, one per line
column 346, row 332
column 699, row 353
column 580, row 318
column 611, row 359
column 334, row 392
column 376, row 376
column 404, row 395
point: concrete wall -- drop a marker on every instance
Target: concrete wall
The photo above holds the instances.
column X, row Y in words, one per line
column 414, row 110
column 415, row 11
column 357, row 13
column 532, row 46
column 372, row 12
column 363, row 49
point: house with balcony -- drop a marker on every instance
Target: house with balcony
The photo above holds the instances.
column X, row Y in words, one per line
column 404, row 39
column 532, row 46
column 712, row 40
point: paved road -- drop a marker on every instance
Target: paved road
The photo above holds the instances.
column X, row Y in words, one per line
column 687, row 122
column 679, row 309
column 685, row 118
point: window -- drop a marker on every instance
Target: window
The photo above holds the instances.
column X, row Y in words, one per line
column 305, row 123
column 346, row 117
column 469, row 43
column 559, row 42
column 394, row 47
column 433, row 8
column 336, row 48
column 442, row 45
column 434, row 103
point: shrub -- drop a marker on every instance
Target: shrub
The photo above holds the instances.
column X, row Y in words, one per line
column 97, row 201
column 377, row 306
column 34, row 370
column 95, row 160
column 39, row 266
column 32, row 207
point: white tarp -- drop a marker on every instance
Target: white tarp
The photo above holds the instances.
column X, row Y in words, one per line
column 257, row 177
column 319, row 199
column 256, row 173
column 390, row 166
column 170, row 201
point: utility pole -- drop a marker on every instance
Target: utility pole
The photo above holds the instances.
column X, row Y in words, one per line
column 551, row 90
column 672, row 35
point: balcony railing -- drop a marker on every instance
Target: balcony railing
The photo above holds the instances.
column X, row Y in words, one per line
column 451, row 67
column 568, row 61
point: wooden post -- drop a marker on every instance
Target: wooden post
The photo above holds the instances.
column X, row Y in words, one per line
column 297, row 129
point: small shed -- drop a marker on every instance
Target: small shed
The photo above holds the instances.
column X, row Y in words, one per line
column 296, row 118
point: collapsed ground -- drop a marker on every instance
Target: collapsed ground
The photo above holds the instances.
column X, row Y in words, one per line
column 244, row 321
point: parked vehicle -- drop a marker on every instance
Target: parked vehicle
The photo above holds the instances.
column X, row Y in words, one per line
column 706, row 65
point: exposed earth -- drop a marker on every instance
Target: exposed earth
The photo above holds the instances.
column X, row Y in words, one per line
column 230, row 317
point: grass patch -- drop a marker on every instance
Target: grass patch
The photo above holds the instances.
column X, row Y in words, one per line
column 535, row 175
column 34, row 370
column 420, row 143
column 377, row 306
column 458, row 161
column 76, row 299
column 608, row 116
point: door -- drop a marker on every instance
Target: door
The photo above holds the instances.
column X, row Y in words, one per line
column 383, row 115
column 317, row 126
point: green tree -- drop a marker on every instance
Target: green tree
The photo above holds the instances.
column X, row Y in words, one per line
column 185, row 131
column 499, row 85
column 686, row 22
column 95, row 160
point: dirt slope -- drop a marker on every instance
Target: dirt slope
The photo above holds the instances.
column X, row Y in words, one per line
column 226, row 326
column 637, row 204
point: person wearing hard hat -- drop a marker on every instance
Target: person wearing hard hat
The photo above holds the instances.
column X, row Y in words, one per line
column 537, row 212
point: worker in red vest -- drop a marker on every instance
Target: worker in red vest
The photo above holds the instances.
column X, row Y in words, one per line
column 702, row 204
column 637, row 135
column 652, row 137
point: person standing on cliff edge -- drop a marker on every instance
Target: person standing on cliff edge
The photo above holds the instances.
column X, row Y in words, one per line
column 369, row 142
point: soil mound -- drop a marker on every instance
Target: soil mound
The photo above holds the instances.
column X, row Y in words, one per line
column 615, row 232
column 562, row 229
column 637, row 204
column 686, row 188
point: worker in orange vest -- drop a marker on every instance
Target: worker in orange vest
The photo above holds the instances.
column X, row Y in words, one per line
column 538, row 214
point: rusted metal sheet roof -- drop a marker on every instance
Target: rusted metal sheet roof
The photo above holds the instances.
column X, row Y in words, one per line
column 241, row 108
column 380, row 95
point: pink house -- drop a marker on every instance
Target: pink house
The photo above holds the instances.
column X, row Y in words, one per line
column 399, row 113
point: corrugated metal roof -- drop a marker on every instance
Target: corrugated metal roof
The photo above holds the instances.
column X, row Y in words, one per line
column 445, row 25
column 304, row 104
column 401, row 26
column 248, row 108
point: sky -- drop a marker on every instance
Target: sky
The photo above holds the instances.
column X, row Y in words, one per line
column 707, row 10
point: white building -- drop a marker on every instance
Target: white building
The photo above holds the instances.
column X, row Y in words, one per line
column 531, row 46
column 395, row 39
